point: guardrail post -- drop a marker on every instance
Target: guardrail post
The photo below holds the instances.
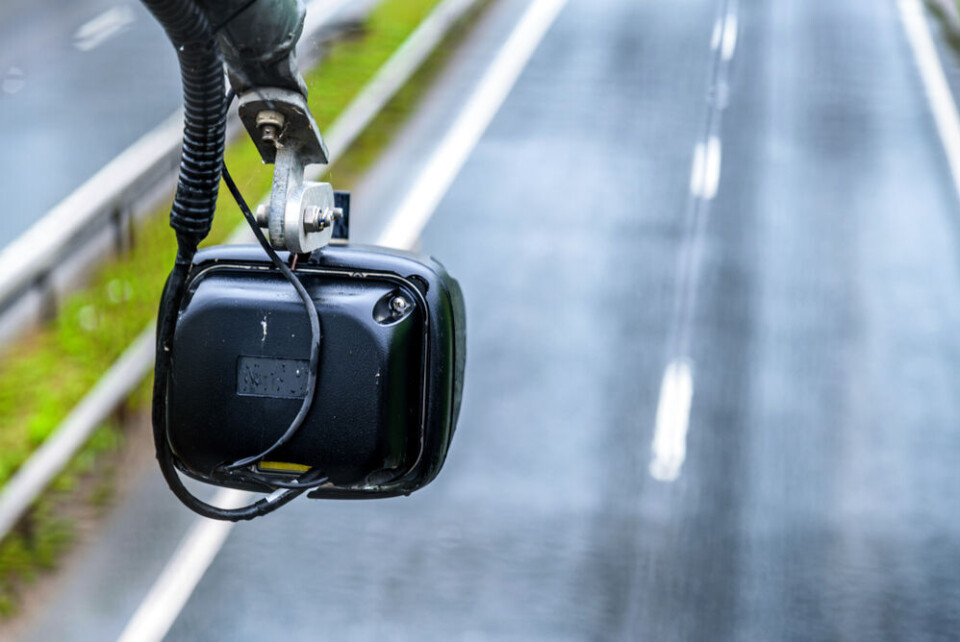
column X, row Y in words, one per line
column 49, row 306
column 123, row 233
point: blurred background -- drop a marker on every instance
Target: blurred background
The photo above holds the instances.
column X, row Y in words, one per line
column 711, row 256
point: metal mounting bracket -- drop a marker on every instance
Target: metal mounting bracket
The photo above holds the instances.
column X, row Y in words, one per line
column 297, row 127
column 301, row 214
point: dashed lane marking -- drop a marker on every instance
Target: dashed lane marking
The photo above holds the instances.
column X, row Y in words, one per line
column 97, row 31
column 669, row 446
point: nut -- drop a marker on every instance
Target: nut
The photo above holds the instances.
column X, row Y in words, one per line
column 270, row 123
column 317, row 219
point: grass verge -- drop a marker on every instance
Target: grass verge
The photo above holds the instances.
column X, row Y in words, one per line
column 49, row 370
column 948, row 21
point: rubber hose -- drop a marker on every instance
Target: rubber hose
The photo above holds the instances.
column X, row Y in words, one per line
column 191, row 215
column 201, row 70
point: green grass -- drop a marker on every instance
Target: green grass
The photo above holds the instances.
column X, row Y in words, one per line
column 49, row 371
column 949, row 29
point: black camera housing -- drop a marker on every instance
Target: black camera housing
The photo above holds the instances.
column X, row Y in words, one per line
column 390, row 376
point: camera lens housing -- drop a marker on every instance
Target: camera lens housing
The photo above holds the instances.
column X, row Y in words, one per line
column 389, row 382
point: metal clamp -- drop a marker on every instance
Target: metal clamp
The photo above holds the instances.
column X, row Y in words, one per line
column 285, row 114
column 301, row 214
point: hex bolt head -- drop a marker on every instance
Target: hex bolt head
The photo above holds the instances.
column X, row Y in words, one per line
column 313, row 219
column 317, row 219
column 398, row 304
column 268, row 134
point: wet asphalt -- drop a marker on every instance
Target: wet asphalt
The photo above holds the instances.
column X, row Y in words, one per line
column 812, row 296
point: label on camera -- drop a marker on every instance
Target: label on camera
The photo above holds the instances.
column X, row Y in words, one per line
column 271, row 377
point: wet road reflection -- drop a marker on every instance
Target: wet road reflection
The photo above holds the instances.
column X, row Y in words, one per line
column 796, row 281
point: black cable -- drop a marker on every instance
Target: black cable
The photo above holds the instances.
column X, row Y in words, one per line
column 232, row 16
column 315, row 333
column 314, row 328
column 201, row 70
column 191, row 216
column 287, row 491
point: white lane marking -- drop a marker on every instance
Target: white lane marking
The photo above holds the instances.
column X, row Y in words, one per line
column 669, row 446
column 97, row 31
column 715, row 37
column 935, row 82
column 422, row 199
column 705, row 175
column 13, row 81
column 673, row 418
column 183, row 572
column 730, row 31
column 711, row 171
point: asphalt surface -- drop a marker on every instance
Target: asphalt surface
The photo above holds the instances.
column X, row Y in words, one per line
column 799, row 287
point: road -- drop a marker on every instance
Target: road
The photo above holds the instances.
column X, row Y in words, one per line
column 710, row 252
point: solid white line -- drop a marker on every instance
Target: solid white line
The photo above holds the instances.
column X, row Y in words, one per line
column 392, row 76
column 183, row 572
column 97, row 31
column 422, row 199
column 935, row 82
column 673, row 419
column 730, row 31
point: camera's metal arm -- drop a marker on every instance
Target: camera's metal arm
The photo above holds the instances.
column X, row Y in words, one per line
column 258, row 40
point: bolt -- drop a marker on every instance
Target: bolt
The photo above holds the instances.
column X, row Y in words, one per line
column 270, row 123
column 268, row 134
column 398, row 304
column 313, row 220
column 317, row 219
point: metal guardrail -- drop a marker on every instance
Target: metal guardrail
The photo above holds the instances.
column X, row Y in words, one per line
column 52, row 256
column 125, row 375
column 30, row 257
